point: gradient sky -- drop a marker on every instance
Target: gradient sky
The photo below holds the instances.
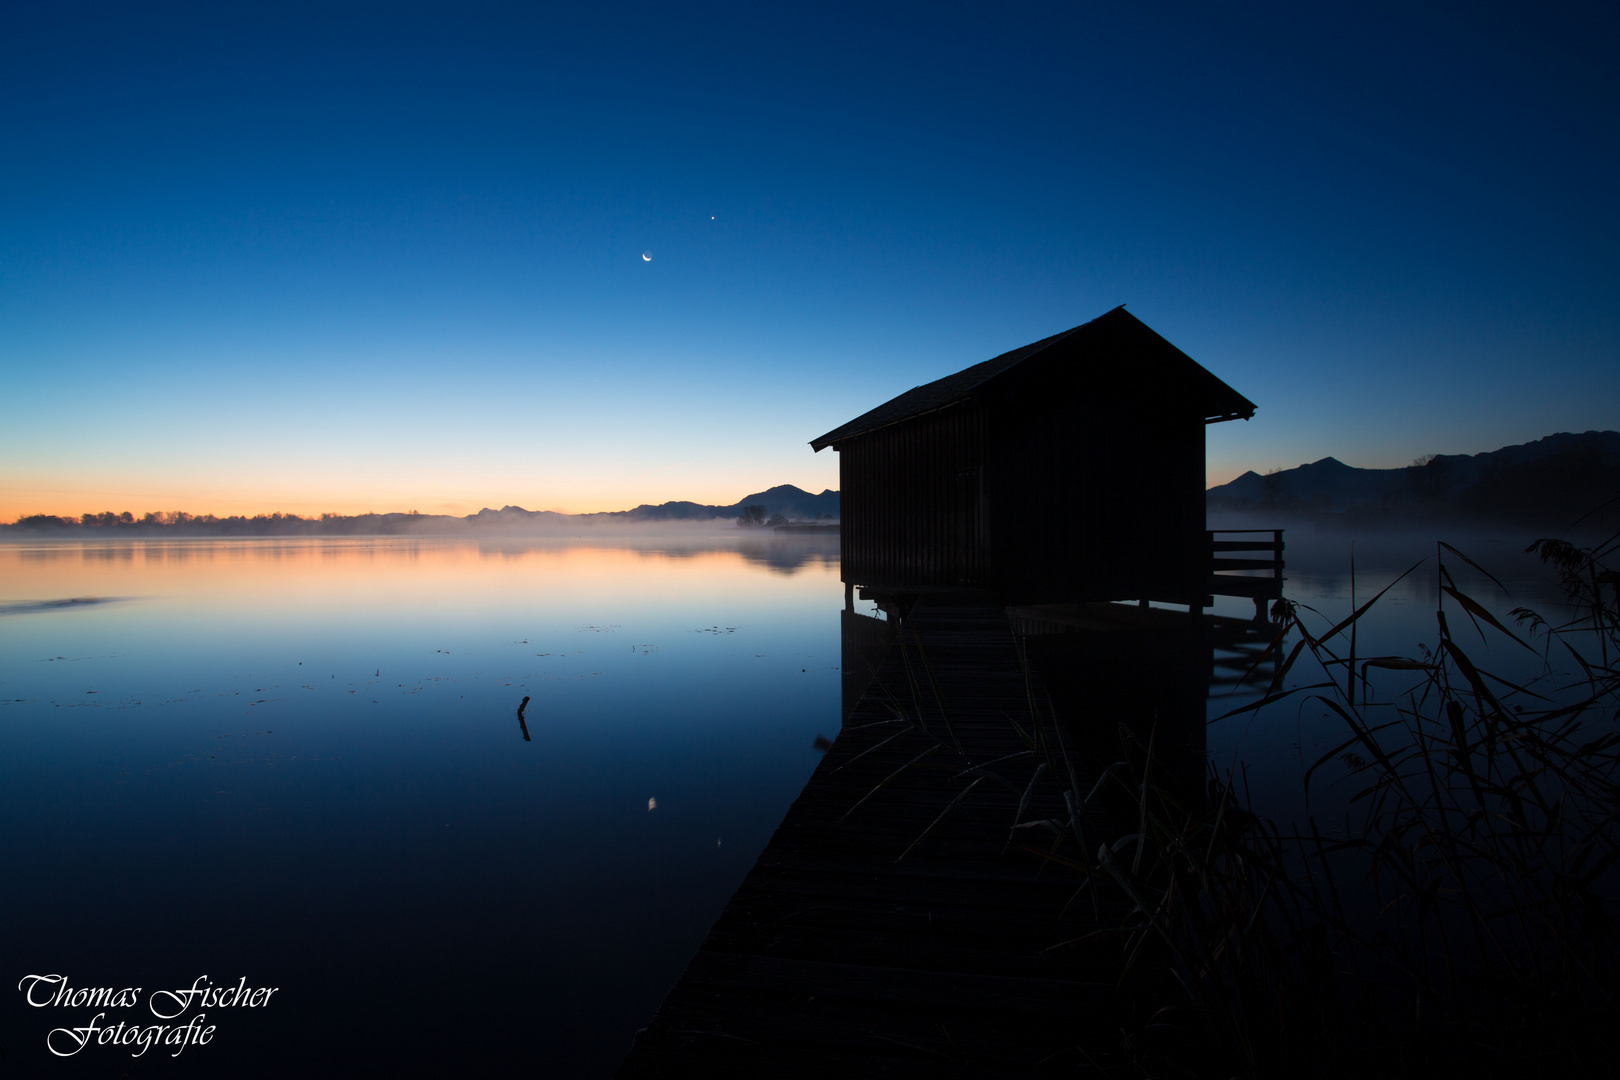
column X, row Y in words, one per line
column 359, row 257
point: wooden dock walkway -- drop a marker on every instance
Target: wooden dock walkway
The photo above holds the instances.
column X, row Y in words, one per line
column 839, row 958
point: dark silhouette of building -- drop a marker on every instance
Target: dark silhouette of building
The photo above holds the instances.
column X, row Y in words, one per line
column 1067, row 471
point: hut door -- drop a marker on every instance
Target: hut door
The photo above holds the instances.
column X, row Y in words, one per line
column 969, row 527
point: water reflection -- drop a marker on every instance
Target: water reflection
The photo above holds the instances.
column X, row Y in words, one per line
column 229, row 751
column 1108, row 671
column 866, row 641
column 785, row 553
column 1115, row 670
column 271, row 805
column 1112, row 667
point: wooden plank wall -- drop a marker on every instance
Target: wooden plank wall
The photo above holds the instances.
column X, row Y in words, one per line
column 912, row 504
column 1094, row 488
column 1062, row 485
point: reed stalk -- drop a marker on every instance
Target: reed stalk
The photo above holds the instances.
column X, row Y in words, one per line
column 1461, row 918
column 1458, row 916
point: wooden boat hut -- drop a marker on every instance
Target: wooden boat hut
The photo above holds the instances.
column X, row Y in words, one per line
column 1067, row 471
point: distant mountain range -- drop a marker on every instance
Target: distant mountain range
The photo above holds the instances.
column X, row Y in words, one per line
column 781, row 502
column 784, row 500
column 1552, row 480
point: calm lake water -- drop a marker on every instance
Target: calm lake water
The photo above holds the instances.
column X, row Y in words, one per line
column 299, row 764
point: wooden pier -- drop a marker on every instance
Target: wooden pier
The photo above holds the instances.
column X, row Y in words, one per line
column 874, row 938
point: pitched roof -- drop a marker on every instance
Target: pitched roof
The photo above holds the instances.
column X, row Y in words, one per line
column 1222, row 402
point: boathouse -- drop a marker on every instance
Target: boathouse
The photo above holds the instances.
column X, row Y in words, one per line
column 1068, row 471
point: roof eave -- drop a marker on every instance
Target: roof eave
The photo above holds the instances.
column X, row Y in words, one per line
column 1240, row 414
column 818, row 445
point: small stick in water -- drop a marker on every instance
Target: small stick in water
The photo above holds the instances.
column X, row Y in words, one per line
column 524, row 704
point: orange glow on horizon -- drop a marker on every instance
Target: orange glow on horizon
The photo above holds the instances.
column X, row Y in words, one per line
column 16, row 502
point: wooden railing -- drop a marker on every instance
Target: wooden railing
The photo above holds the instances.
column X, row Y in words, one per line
column 1233, row 576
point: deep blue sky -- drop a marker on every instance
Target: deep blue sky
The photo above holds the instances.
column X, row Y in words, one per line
column 358, row 257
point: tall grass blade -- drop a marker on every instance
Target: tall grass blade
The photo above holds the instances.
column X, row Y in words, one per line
column 942, row 815
column 879, row 785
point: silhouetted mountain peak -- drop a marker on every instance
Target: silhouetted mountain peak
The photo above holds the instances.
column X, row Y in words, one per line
column 1554, row 478
column 785, row 500
column 776, row 494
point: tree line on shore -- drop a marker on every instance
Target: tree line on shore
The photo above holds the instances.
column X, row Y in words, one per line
column 774, row 506
column 181, row 523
